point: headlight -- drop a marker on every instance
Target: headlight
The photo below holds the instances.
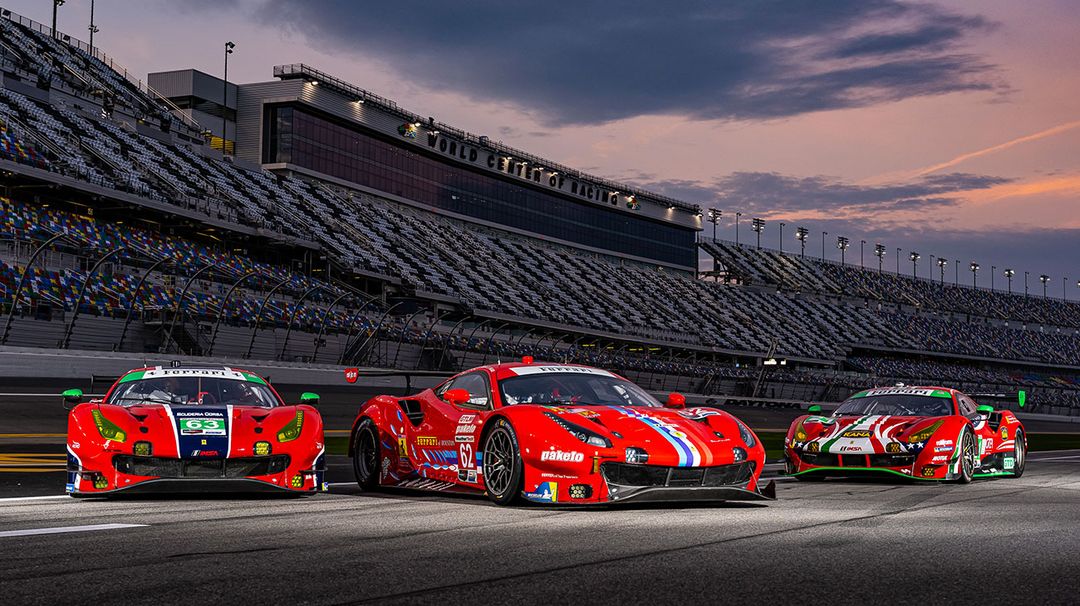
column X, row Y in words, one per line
column 142, row 449
column 588, row 436
column 636, row 456
column 925, row 434
column 747, row 436
column 107, row 428
column 291, row 431
column 261, row 449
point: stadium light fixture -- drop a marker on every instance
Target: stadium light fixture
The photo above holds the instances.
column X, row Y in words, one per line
column 1009, row 273
column 879, row 252
column 758, row 225
column 842, row 243
column 914, row 256
column 942, row 264
column 974, row 267
column 800, row 235
column 1044, row 279
column 56, row 5
column 714, row 218
column 229, row 46
column 92, row 28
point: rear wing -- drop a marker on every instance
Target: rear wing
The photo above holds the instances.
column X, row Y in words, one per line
column 1019, row 396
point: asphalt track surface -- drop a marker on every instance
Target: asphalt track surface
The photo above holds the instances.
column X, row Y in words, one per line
column 999, row 541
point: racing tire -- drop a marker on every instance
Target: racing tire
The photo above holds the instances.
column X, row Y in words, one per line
column 504, row 470
column 367, row 455
column 969, row 455
column 1019, row 454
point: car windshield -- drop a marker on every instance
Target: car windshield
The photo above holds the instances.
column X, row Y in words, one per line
column 193, row 391
column 906, row 405
column 580, row 389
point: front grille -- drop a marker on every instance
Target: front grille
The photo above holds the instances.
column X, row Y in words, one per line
column 857, row 460
column 200, row 468
column 624, row 474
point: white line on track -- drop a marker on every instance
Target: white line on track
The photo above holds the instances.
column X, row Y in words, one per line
column 15, row 499
column 65, row 529
column 1039, row 459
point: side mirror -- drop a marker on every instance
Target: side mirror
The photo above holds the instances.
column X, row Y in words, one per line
column 72, row 397
column 309, row 398
column 675, row 400
column 815, row 408
column 1021, row 398
column 457, row 397
column 985, row 410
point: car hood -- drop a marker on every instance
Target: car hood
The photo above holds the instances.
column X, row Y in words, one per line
column 867, row 434
column 671, row 437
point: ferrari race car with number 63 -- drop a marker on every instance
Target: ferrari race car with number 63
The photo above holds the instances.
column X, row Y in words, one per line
column 193, row 430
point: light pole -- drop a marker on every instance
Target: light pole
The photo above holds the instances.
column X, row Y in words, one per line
column 229, row 46
column 974, row 267
column 1044, row 279
column 737, row 215
column 1009, row 273
column 757, row 225
column 1026, row 284
column 714, row 218
column 800, row 235
column 898, row 251
column 879, row 252
column 782, row 236
column 823, row 234
column 55, row 5
column 993, row 270
column 862, row 245
column 1064, row 283
column 956, row 274
column 942, row 264
column 93, row 28
column 914, row 256
column 842, row 243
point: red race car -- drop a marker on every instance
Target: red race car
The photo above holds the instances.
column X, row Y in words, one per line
column 554, row 433
column 925, row 433
column 192, row 430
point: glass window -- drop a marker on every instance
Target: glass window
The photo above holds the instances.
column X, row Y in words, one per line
column 476, row 384
column 573, row 389
column 193, row 391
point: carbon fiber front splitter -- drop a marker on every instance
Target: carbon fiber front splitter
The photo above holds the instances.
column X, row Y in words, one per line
column 196, row 486
column 654, row 494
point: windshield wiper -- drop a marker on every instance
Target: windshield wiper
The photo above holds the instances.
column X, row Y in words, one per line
column 151, row 400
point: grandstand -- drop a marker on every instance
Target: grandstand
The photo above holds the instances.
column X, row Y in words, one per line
column 413, row 244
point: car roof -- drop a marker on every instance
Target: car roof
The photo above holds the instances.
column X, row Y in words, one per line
column 504, row 370
column 224, row 372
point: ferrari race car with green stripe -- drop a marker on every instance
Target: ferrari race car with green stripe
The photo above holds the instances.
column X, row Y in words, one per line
column 554, row 434
column 923, row 433
column 180, row 429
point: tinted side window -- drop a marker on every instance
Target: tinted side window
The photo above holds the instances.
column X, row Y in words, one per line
column 967, row 406
column 477, row 386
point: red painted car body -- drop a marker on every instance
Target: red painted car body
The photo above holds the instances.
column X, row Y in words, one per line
column 193, row 430
column 583, row 436
column 924, row 433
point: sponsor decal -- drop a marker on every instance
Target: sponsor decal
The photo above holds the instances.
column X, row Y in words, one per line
column 1004, row 433
column 943, row 449
column 547, row 370
column 467, row 475
column 352, row 374
column 403, row 449
column 408, row 130
column 945, row 443
column 1010, row 463
column 201, row 424
column 464, row 439
column 857, row 433
column 562, row 456
column 465, row 429
column 222, row 373
column 205, row 453
column 465, row 419
column 427, row 441
column 385, row 468
column 557, row 476
column 939, row 459
column 903, row 391
column 546, row 492
column 466, row 456
column 850, row 448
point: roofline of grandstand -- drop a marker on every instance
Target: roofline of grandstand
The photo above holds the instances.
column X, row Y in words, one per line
column 952, row 356
column 353, row 92
column 286, row 166
column 91, row 189
column 95, row 51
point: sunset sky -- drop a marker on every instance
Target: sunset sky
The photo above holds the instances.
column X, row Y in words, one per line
column 948, row 128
